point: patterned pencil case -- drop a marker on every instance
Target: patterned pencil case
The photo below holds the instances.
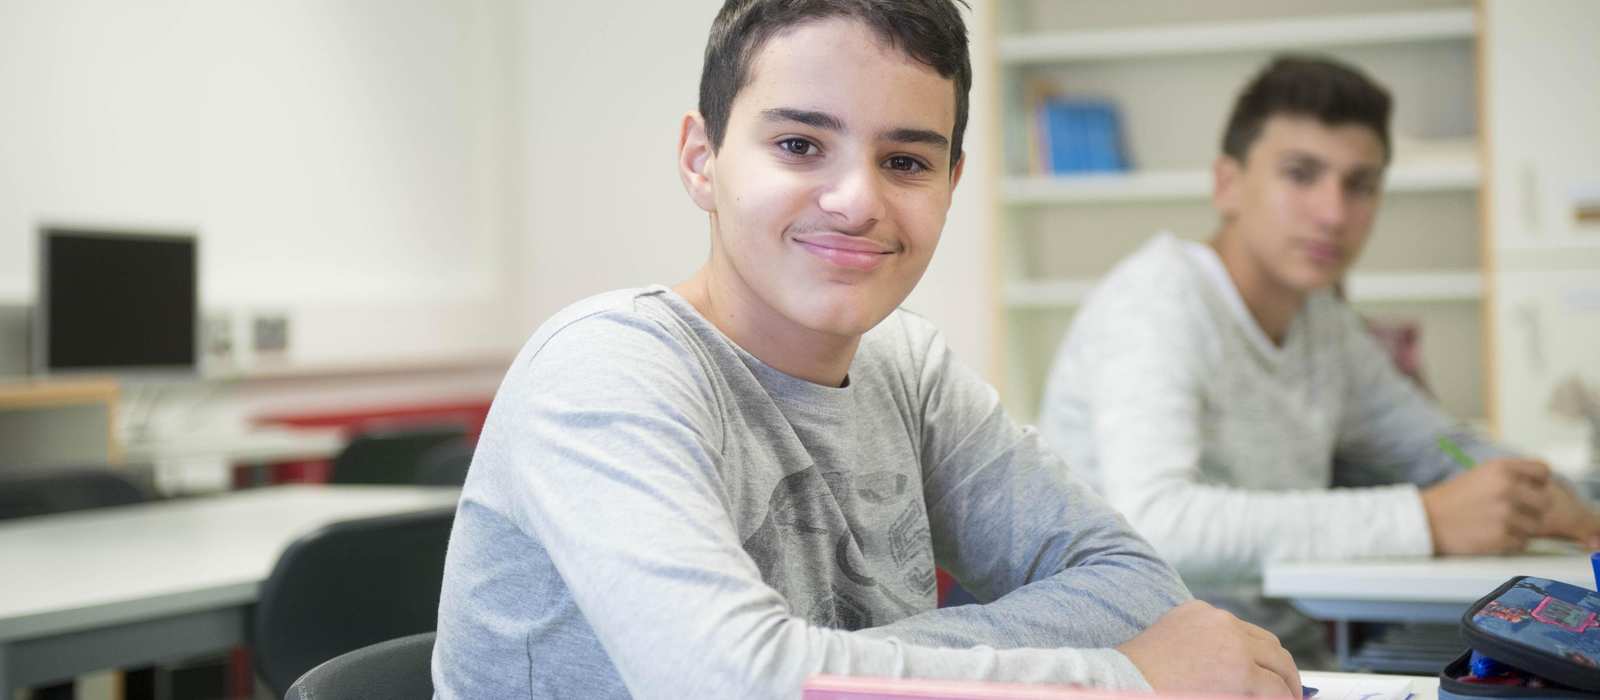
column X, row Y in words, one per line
column 1531, row 638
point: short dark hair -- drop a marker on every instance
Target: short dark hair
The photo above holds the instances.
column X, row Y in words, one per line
column 930, row 31
column 1307, row 86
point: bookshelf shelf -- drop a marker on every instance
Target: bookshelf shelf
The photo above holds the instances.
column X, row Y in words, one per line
column 1425, row 286
column 1048, row 294
column 1264, row 35
column 1452, row 169
column 1362, row 287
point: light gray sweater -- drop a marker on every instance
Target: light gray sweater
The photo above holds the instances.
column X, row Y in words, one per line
column 1222, row 448
column 654, row 512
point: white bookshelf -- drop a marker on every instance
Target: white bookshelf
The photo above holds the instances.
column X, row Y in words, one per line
column 1297, row 33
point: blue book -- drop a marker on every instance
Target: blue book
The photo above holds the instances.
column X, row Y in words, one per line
column 1079, row 136
column 1105, row 153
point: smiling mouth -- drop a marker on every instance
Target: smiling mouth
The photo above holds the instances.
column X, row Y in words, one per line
column 863, row 260
column 1323, row 253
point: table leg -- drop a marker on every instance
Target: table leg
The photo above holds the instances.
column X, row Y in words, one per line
column 6, row 691
column 1341, row 643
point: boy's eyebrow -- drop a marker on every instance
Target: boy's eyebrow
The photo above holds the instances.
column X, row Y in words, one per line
column 927, row 136
column 820, row 120
column 1302, row 156
column 1360, row 170
column 824, row 120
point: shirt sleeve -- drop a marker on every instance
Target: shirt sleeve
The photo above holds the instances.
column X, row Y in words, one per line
column 1389, row 431
column 1051, row 562
column 616, row 477
column 1145, row 361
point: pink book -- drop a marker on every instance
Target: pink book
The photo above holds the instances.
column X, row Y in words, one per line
column 850, row 688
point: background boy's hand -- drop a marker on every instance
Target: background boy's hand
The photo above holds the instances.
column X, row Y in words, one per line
column 1491, row 509
column 1196, row 648
column 1569, row 517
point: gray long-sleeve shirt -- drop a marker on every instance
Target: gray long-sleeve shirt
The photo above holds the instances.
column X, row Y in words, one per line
column 654, row 512
column 1222, row 447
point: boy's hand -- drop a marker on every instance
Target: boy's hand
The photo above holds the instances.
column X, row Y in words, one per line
column 1568, row 517
column 1491, row 509
column 1196, row 648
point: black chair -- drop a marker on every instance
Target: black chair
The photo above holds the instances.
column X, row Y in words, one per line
column 346, row 586
column 30, row 492
column 390, row 455
column 445, row 465
column 399, row 669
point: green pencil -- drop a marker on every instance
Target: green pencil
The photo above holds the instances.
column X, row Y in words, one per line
column 1456, row 453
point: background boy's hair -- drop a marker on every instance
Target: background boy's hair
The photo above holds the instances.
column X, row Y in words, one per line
column 1331, row 92
column 930, row 31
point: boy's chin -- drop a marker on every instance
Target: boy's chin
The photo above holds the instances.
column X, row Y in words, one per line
column 1307, row 280
column 845, row 317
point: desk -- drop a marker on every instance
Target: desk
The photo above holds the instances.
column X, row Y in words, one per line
column 1429, row 589
column 203, row 461
column 138, row 585
column 48, row 423
column 1422, row 687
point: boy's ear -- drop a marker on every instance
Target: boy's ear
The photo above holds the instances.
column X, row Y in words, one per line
column 1226, row 174
column 696, row 161
column 955, row 173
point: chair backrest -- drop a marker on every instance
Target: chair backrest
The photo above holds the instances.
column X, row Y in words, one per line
column 390, row 455
column 398, row 669
column 348, row 585
column 445, row 465
column 31, row 492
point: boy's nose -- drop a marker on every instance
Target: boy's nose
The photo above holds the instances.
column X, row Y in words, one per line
column 1329, row 203
column 855, row 198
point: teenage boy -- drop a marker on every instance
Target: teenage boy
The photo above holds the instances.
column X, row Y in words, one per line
column 1216, row 392
column 718, row 489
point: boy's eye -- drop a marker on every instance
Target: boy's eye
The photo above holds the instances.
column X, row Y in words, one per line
column 1363, row 187
column 797, row 146
column 1302, row 176
column 905, row 164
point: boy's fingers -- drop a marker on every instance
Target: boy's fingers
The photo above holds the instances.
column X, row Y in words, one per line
column 1524, row 523
column 1527, row 469
column 1270, row 654
column 1267, row 683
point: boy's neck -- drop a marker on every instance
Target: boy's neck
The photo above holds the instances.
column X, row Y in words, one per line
column 1272, row 304
column 783, row 345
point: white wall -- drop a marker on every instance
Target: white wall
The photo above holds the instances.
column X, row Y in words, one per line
column 404, row 178
column 602, row 93
column 347, row 163
column 602, row 205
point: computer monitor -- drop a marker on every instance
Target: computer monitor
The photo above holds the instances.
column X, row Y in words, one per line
column 116, row 301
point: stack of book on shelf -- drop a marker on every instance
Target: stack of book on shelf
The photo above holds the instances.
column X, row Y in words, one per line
column 1077, row 135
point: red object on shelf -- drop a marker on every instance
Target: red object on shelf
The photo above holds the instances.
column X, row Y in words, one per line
column 470, row 415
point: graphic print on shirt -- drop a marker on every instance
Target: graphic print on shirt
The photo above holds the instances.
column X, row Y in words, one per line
column 908, row 538
column 805, row 526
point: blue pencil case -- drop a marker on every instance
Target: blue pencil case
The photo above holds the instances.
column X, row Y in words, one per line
column 1531, row 638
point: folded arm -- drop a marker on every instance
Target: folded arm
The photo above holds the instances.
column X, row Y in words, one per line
column 618, row 481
